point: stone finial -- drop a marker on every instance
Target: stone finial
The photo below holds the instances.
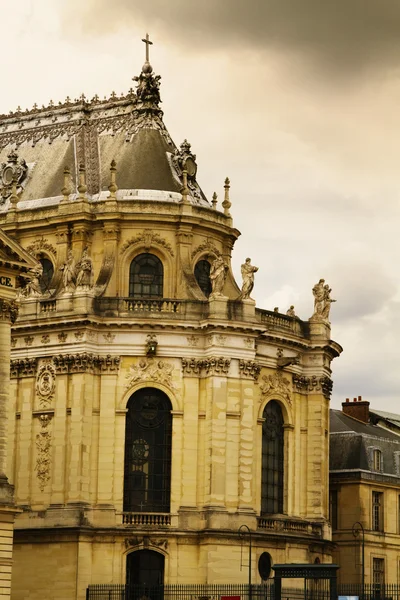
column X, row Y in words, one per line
column 214, row 200
column 82, row 183
column 226, row 203
column 185, row 189
column 113, row 188
column 66, row 189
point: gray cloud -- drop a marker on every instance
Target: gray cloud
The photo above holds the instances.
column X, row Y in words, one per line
column 347, row 37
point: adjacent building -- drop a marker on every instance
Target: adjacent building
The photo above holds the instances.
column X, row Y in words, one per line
column 365, row 493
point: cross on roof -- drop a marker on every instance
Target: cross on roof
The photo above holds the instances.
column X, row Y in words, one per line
column 148, row 43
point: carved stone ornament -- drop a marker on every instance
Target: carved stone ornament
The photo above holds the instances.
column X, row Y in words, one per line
column 8, row 310
column 46, row 383
column 146, row 541
column 276, row 384
column 86, row 363
column 313, row 384
column 23, row 367
column 13, row 169
column 39, row 246
column 192, row 340
column 322, row 301
column 147, row 239
column 183, row 159
column 43, row 447
column 215, row 365
column 207, row 246
column 149, row 369
column 249, row 368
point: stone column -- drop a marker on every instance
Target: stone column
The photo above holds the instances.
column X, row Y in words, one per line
column 8, row 312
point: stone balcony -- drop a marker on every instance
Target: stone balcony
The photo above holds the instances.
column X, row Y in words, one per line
column 169, row 309
column 289, row 526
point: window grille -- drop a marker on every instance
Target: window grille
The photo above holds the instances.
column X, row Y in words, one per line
column 377, row 511
column 378, row 571
column 146, row 275
column 148, row 434
column 272, row 481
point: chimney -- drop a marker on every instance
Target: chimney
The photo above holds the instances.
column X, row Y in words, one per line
column 358, row 409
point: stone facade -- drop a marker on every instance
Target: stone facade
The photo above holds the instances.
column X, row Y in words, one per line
column 84, row 343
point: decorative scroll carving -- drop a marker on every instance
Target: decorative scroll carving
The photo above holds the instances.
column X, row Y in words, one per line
column 8, row 310
column 248, row 342
column 85, row 362
column 109, row 337
column 146, row 541
column 46, row 382
column 313, row 384
column 149, row 369
column 39, row 246
column 43, row 446
column 12, row 170
column 45, row 339
column 249, row 368
column 207, row 246
column 214, row 365
column 62, row 337
column 192, row 340
column 23, row 367
column 276, row 383
column 184, row 160
column 148, row 238
column 286, row 361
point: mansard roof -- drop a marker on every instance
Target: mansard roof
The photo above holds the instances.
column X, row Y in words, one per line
column 39, row 143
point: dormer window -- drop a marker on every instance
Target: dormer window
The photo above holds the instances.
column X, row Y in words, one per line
column 377, row 459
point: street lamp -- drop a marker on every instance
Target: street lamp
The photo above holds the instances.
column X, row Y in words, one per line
column 358, row 529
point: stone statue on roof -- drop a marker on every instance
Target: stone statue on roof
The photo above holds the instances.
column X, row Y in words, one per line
column 218, row 273
column 68, row 276
column 322, row 300
column 248, row 271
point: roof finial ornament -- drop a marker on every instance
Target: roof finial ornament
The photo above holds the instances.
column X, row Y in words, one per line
column 148, row 43
column 214, row 200
column 66, row 190
column 226, row 203
column 113, row 188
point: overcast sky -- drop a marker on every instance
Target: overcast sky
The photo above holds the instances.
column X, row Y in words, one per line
column 297, row 101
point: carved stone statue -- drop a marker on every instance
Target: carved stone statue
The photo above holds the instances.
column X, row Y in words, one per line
column 327, row 302
column 32, row 287
column 68, row 277
column 290, row 311
column 84, row 270
column 322, row 300
column 248, row 279
column 218, row 272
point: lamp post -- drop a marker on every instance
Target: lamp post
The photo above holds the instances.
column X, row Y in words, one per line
column 243, row 531
column 358, row 529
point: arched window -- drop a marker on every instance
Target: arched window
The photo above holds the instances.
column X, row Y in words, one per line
column 47, row 276
column 148, row 430
column 272, row 460
column 146, row 276
column 202, row 275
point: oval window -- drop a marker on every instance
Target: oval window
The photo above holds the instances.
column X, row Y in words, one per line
column 265, row 565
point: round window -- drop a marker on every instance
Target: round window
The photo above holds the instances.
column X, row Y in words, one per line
column 265, row 565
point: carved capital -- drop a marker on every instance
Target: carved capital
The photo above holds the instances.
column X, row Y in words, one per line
column 313, row 384
column 214, row 365
column 8, row 310
column 23, row 367
column 85, row 363
column 249, row 368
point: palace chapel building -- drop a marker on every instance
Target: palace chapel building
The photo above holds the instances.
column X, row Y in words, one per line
column 153, row 409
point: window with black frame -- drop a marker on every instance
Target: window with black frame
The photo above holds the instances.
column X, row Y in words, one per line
column 272, row 481
column 148, row 432
column 202, row 275
column 146, row 277
column 47, row 275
